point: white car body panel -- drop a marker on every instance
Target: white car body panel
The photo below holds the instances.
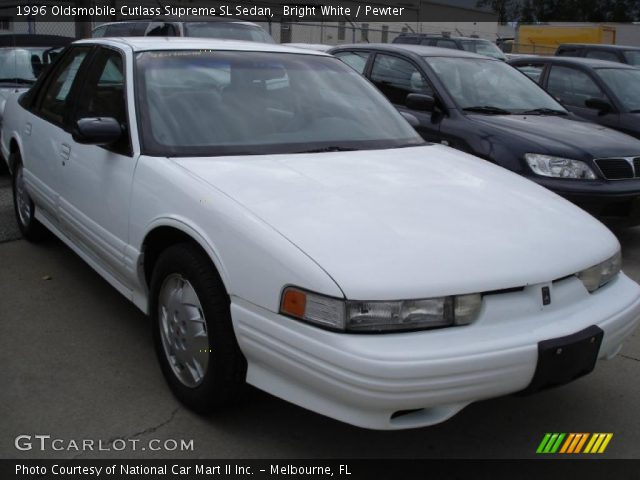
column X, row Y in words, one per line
column 388, row 224
column 365, row 379
column 377, row 222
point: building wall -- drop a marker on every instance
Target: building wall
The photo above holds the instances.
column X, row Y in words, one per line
column 627, row 34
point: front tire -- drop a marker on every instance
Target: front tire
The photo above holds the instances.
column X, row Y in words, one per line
column 193, row 333
column 24, row 208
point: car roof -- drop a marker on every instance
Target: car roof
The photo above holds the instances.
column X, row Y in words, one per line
column 600, row 46
column 141, row 44
column 419, row 50
column 173, row 20
column 587, row 62
column 439, row 36
column 321, row 47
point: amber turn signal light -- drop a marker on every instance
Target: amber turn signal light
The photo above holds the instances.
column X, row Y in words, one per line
column 294, row 303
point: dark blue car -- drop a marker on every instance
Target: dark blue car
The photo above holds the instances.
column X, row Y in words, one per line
column 487, row 108
column 603, row 92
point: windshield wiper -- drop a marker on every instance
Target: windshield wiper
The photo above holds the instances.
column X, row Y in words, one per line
column 332, row 148
column 544, row 111
column 21, row 81
column 487, row 109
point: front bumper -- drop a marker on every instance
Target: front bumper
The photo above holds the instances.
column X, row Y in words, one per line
column 373, row 380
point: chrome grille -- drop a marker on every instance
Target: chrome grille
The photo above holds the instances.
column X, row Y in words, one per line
column 619, row 168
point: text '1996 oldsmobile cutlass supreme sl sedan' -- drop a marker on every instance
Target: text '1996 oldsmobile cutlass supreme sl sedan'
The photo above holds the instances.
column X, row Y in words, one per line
column 284, row 225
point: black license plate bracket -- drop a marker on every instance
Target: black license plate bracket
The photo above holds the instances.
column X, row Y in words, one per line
column 564, row 359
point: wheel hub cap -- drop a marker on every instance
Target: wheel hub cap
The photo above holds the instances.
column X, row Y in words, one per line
column 22, row 199
column 183, row 330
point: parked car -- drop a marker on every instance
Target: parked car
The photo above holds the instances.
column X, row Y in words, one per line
column 301, row 236
column 469, row 44
column 320, row 47
column 489, row 109
column 602, row 92
column 223, row 29
column 22, row 59
column 611, row 53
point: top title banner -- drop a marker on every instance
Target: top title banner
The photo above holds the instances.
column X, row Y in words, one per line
column 258, row 10
column 227, row 10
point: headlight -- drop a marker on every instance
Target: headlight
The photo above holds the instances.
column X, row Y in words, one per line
column 595, row 277
column 377, row 316
column 549, row 166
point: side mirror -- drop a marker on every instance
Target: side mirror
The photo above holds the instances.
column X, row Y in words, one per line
column 413, row 121
column 602, row 106
column 420, row 101
column 97, row 131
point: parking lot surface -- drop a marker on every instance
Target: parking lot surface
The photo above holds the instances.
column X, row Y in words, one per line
column 78, row 363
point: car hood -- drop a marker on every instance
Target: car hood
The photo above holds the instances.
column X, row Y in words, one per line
column 413, row 222
column 630, row 123
column 557, row 135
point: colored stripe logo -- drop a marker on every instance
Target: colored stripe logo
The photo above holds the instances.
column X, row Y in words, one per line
column 574, row 443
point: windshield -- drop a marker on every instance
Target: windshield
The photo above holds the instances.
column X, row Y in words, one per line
column 22, row 65
column 244, row 103
column 488, row 84
column 625, row 84
column 483, row 47
column 227, row 30
column 632, row 56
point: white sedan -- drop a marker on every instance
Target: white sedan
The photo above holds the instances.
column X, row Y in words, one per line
column 283, row 225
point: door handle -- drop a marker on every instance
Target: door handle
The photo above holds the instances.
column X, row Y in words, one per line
column 65, row 152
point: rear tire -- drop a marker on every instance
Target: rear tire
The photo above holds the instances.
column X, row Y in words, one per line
column 193, row 333
column 24, row 208
column 4, row 169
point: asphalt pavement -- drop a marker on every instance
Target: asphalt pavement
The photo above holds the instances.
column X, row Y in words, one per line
column 78, row 364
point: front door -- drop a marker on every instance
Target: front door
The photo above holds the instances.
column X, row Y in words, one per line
column 94, row 204
column 573, row 88
column 397, row 77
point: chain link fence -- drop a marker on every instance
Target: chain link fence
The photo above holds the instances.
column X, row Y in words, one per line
column 333, row 33
column 32, row 25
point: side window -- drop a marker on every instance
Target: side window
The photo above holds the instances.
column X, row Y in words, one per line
column 356, row 60
column 161, row 29
column 572, row 86
column 568, row 52
column 53, row 99
column 603, row 55
column 397, row 77
column 99, row 31
column 126, row 29
column 532, row 70
column 103, row 94
column 444, row 43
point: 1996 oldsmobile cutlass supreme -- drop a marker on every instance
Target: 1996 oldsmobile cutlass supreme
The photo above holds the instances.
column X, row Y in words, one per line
column 283, row 225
